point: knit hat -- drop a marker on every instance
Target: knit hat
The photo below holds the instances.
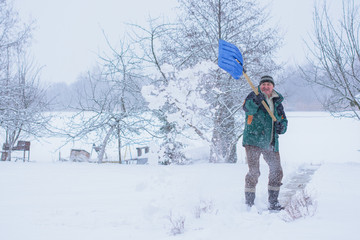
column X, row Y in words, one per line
column 267, row 78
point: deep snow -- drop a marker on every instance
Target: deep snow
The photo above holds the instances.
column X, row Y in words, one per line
column 47, row 199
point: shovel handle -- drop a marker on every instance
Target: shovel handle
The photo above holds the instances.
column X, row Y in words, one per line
column 257, row 93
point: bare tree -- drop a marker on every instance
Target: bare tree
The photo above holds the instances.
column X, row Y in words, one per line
column 200, row 26
column 334, row 63
column 110, row 103
column 23, row 106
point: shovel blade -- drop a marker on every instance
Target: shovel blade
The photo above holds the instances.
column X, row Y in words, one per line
column 230, row 59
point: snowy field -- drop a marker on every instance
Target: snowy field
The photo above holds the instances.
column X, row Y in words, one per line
column 47, row 199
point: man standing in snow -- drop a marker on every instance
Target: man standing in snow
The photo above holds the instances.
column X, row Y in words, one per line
column 261, row 137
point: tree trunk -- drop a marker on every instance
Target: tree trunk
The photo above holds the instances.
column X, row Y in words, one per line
column 224, row 138
column 119, row 142
column 103, row 145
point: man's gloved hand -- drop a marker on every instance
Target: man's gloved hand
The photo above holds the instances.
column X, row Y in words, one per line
column 278, row 127
column 259, row 98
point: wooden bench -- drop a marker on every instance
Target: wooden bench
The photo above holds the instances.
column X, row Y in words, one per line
column 21, row 146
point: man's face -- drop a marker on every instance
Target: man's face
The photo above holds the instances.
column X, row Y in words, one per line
column 267, row 88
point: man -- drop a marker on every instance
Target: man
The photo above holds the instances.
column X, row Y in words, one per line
column 261, row 137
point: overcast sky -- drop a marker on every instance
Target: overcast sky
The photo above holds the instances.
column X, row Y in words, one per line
column 68, row 33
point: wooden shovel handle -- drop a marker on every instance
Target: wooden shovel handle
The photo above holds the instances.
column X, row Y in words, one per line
column 257, row 93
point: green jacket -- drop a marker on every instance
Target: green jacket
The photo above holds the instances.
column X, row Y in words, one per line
column 259, row 126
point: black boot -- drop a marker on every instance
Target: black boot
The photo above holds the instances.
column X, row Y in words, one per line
column 273, row 201
column 249, row 198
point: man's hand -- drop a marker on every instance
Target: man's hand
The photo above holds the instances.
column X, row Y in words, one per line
column 259, row 98
column 279, row 128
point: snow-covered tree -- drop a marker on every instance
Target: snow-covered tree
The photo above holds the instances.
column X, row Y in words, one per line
column 148, row 41
column 23, row 103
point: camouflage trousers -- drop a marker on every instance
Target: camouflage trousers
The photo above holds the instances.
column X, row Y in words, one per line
column 275, row 170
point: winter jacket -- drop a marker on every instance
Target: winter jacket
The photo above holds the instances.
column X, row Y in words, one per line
column 259, row 127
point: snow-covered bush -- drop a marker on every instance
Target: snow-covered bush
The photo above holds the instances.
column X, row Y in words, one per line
column 203, row 208
column 300, row 205
column 177, row 224
column 181, row 102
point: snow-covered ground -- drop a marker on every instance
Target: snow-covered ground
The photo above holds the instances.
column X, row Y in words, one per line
column 47, row 199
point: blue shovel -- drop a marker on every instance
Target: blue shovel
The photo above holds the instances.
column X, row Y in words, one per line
column 231, row 60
